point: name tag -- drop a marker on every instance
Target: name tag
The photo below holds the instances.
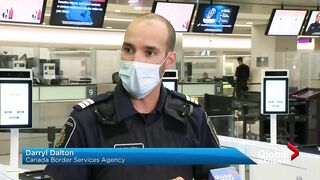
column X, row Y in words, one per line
column 129, row 145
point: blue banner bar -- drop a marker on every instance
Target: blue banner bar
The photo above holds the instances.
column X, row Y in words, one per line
column 134, row 156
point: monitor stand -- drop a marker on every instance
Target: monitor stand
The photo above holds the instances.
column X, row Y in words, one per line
column 14, row 149
column 273, row 128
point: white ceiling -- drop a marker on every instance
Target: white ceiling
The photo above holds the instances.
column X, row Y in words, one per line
column 255, row 11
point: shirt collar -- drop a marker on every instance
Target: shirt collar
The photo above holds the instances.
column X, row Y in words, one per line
column 124, row 107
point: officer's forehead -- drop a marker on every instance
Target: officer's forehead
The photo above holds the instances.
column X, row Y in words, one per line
column 149, row 23
column 147, row 31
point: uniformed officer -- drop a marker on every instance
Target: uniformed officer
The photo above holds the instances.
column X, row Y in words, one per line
column 140, row 112
column 314, row 28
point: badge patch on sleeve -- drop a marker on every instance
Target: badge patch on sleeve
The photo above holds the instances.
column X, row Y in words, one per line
column 66, row 133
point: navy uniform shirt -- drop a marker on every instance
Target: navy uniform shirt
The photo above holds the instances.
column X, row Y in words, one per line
column 110, row 120
column 313, row 29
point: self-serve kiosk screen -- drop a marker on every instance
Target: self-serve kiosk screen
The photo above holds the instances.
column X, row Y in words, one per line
column 275, row 96
column 15, row 103
column 171, row 84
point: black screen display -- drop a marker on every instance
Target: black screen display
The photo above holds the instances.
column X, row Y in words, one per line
column 79, row 13
column 215, row 18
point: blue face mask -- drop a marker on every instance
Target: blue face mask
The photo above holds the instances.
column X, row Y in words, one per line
column 138, row 78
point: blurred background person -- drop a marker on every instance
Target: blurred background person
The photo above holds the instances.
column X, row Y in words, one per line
column 205, row 78
column 242, row 75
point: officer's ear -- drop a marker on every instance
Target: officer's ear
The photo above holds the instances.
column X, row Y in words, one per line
column 171, row 60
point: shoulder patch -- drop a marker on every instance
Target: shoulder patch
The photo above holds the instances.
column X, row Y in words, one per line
column 185, row 97
column 97, row 99
column 193, row 100
column 66, row 133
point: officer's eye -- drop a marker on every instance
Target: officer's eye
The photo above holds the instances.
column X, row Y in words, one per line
column 150, row 53
column 127, row 50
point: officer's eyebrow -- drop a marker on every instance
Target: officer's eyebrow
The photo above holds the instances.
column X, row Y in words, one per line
column 125, row 44
column 147, row 48
column 152, row 48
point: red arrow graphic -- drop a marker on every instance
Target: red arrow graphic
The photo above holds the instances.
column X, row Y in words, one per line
column 294, row 150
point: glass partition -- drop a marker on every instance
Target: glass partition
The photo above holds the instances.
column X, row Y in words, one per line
column 62, row 77
column 83, row 67
column 209, row 70
column 303, row 68
column 74, row 66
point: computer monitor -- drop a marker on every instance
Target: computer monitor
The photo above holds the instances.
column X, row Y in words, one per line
column 17, row 11
column 215, row 18
column 171, row 84
column 15, row 99
column 177, row 13
column 49, row 68
column 218, row 104
column 312, row 27
column 250, row 96
column 229, row 79
column 292, row 20
column 78, row 13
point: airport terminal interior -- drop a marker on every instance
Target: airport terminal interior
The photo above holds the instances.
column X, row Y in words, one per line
column 70, row 63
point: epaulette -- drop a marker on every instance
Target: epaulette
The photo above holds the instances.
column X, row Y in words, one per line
column 94, row 100
column 184, row 97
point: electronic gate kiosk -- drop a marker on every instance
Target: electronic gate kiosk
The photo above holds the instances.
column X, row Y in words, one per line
column 15, row 106
column 274, row 97
column 170, row 79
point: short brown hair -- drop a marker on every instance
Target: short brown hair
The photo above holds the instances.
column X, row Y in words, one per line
column 171, row 39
